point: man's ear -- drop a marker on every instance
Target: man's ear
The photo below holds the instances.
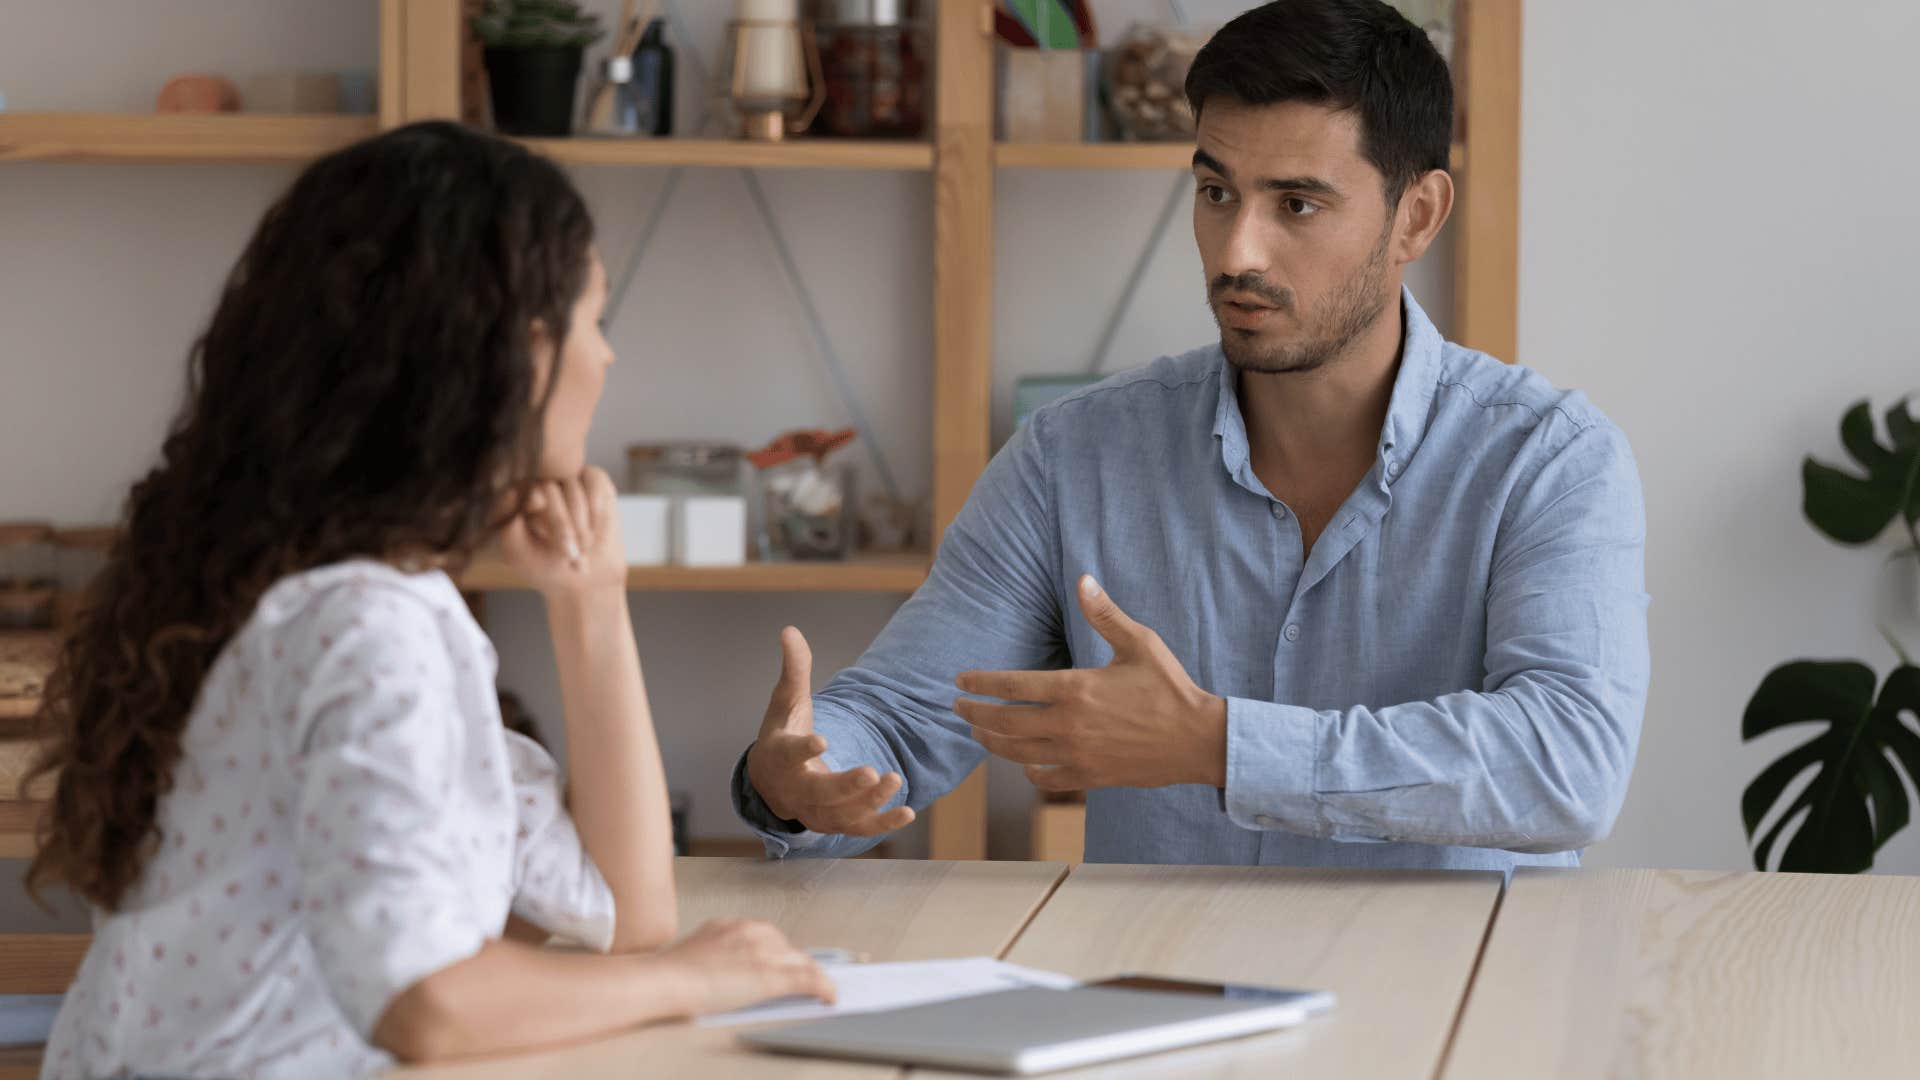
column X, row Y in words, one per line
column 1424, row 208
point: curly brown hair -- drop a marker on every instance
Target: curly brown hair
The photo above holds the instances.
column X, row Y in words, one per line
column 366, row 388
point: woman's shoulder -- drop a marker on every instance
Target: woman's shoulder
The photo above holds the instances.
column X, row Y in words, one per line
column 378, row 594
column 363, row 605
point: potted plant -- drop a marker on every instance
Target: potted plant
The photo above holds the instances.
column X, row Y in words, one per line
column 533, row 55
column 1857, row 798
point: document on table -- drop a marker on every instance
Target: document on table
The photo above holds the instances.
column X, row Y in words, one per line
column 871, row 987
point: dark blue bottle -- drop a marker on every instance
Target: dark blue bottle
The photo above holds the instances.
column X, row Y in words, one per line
column 653, row 79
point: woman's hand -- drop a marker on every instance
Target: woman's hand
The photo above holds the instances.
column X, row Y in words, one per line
column 566, row 540
column 733, row 963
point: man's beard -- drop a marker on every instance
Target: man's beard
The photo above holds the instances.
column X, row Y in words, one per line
column 1356, row 305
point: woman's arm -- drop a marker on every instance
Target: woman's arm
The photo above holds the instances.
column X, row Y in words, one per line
column 512, row 996
column 568, row 545
column 618, row 788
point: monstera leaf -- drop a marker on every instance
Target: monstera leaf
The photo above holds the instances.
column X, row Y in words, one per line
column 1854, row 509
column 1856, row 800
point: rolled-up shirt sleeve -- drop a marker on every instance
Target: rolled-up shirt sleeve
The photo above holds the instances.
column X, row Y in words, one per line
column 557, row 887
column 389, row 873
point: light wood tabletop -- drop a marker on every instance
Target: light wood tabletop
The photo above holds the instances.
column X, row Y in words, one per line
column 1696, row 974
column 886, row 909
column 1397, row 947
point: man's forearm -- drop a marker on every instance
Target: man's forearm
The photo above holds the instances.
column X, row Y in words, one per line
column 1526, row 768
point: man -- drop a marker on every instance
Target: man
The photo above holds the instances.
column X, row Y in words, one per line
column 1332, row 592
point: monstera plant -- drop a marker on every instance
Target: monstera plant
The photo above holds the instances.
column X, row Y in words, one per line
column 1857, row 798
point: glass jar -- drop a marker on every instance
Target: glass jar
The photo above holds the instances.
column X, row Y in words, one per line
column 1145, row 77
column 685, row 468
column 807, row 510
column 27, row 583
column 874, row 56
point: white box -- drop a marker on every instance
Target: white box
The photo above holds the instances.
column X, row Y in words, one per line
column 710, row 530
column 646, row 527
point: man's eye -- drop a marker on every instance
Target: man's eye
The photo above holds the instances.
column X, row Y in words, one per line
column 1299, row 207
column 1214, row 194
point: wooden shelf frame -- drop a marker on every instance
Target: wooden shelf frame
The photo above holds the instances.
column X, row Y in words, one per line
column 886, row 573
column 1118, row 155
column 223, row 138
column 740, row 154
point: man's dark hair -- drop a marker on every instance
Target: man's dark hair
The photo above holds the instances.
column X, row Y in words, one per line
column 1360, row 55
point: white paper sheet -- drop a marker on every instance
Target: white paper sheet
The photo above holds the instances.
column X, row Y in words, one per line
column 871, row 987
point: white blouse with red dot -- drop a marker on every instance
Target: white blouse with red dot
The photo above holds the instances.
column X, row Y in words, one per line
column 347, row 817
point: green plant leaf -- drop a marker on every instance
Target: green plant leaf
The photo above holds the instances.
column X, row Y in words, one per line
column 1854, row 509
column 1856, row 799
column 1901, row 425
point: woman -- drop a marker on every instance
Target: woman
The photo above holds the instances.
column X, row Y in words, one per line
column 283, row 782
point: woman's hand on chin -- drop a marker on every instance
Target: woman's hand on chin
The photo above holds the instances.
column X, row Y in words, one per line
column 566, row 539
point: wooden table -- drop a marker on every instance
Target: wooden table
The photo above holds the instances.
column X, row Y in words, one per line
column 1397, row 947
column 1572, row 974
column 1678, row 973
column 890, row 910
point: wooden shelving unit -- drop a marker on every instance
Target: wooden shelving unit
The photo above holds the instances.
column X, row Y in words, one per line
column 420, row 79
column 17, row 822
column 229, row 137
column 896, row 573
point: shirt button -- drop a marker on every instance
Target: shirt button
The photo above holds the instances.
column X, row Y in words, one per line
column 1279, row 511
column 1293, row 632
column 1393, row 469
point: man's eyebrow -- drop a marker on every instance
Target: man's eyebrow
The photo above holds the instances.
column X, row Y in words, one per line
column 1204, row 160
column 1306, row 185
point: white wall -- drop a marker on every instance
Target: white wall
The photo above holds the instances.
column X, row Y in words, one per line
column 1717, row 234
column 1724, row 318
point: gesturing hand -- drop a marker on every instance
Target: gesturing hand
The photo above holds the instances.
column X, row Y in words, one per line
column 1138, row 722
column 785, row 768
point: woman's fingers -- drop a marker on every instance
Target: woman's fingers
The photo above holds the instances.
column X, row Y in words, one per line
column 580, row 515
column 559, row 522
column 602, row 497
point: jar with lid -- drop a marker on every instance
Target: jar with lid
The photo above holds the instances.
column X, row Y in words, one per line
column 27, row 583
column 684, row 468
column 874, row 55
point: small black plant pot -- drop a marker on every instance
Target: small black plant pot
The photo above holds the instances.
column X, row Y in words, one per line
column 533, row 89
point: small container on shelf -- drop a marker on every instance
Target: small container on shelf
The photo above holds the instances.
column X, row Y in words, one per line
column 28, row 586
column 1043, row 95
column 873, row 54
column 646, row 527
column 807, row 503
column 684, row 468
column 708, row 517
column 710, row 530
column 1145, row 82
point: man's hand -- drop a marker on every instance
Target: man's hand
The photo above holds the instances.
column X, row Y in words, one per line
column 1138, row 722
column 784, row 764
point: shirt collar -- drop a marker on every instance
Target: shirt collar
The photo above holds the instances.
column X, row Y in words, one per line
column 1408, row 410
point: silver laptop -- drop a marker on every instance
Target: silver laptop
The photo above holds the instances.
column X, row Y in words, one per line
column 1032, row 1030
